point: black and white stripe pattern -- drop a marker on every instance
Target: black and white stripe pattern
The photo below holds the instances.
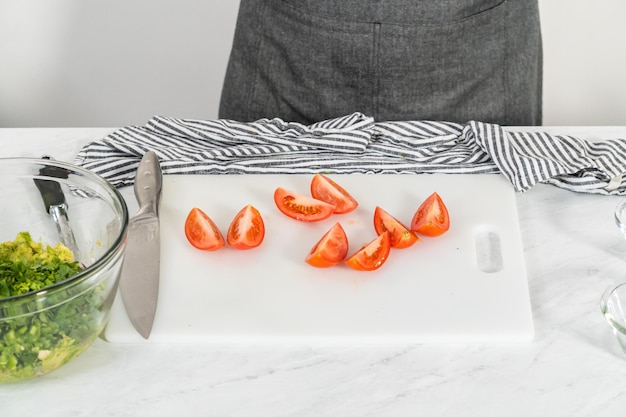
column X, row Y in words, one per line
column 357, row 144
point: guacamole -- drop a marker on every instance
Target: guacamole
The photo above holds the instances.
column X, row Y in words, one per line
column 35, row 343
column 26, row 265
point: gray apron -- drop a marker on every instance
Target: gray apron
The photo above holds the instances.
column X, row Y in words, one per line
column 447, row 60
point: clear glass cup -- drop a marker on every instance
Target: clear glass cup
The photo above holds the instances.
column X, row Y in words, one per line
column 613, row 301
column 613, row 307
column 620, row 216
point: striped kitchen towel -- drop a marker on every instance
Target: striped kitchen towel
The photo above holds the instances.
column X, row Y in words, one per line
column 356, row 143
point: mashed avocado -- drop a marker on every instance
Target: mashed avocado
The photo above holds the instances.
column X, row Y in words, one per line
column 26, row 265
column 39, row 342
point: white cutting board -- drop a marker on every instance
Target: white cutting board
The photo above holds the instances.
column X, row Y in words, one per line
column 459, row 287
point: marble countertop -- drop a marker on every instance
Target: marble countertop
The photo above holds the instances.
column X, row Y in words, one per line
column 573, row 367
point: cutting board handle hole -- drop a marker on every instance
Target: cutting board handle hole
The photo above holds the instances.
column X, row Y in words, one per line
column 488, row 251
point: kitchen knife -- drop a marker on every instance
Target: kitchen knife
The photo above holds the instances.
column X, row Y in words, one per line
column 139, row 282
column 56, row 205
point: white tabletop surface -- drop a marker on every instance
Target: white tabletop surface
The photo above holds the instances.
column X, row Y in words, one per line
column 574, row 366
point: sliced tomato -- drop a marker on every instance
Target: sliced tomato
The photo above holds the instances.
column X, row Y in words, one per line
column 325, row 189
column 331, row 249
column 247, row 229
column 202, row 232
column 373, row 255
column 301, row 207
column 400, row 236
column 431, row 218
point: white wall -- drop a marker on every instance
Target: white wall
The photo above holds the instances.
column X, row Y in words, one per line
column 111, row 62
column 584, row 62
column 119, row 62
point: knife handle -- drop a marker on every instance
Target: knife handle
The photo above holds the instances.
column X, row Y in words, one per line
column 51, row 193
column 50, row 190
column 148, row 182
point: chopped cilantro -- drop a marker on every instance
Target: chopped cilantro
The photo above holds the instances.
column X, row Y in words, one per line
column 41, row 341
column 26, row 265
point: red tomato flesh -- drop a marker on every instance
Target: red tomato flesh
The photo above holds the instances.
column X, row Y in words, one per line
column 431, row 218
column 400, row 236
column 247, row 229
column 371, row 256
column 301, row 207
column 331, row 249
column 325, row 189
column 202, row 232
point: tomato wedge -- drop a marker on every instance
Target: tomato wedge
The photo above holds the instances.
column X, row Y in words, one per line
column 400, row 236
column 325, row 189
column 202, row 232
column 331, row 249
column 371, row 256
column 301, row 207
column 247, row 229
column 431, row 218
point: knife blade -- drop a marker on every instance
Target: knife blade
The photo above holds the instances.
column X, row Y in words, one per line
column 139, row 282
column 56, row 205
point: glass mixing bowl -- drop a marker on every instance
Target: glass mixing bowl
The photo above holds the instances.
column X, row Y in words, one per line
column 44, row 329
